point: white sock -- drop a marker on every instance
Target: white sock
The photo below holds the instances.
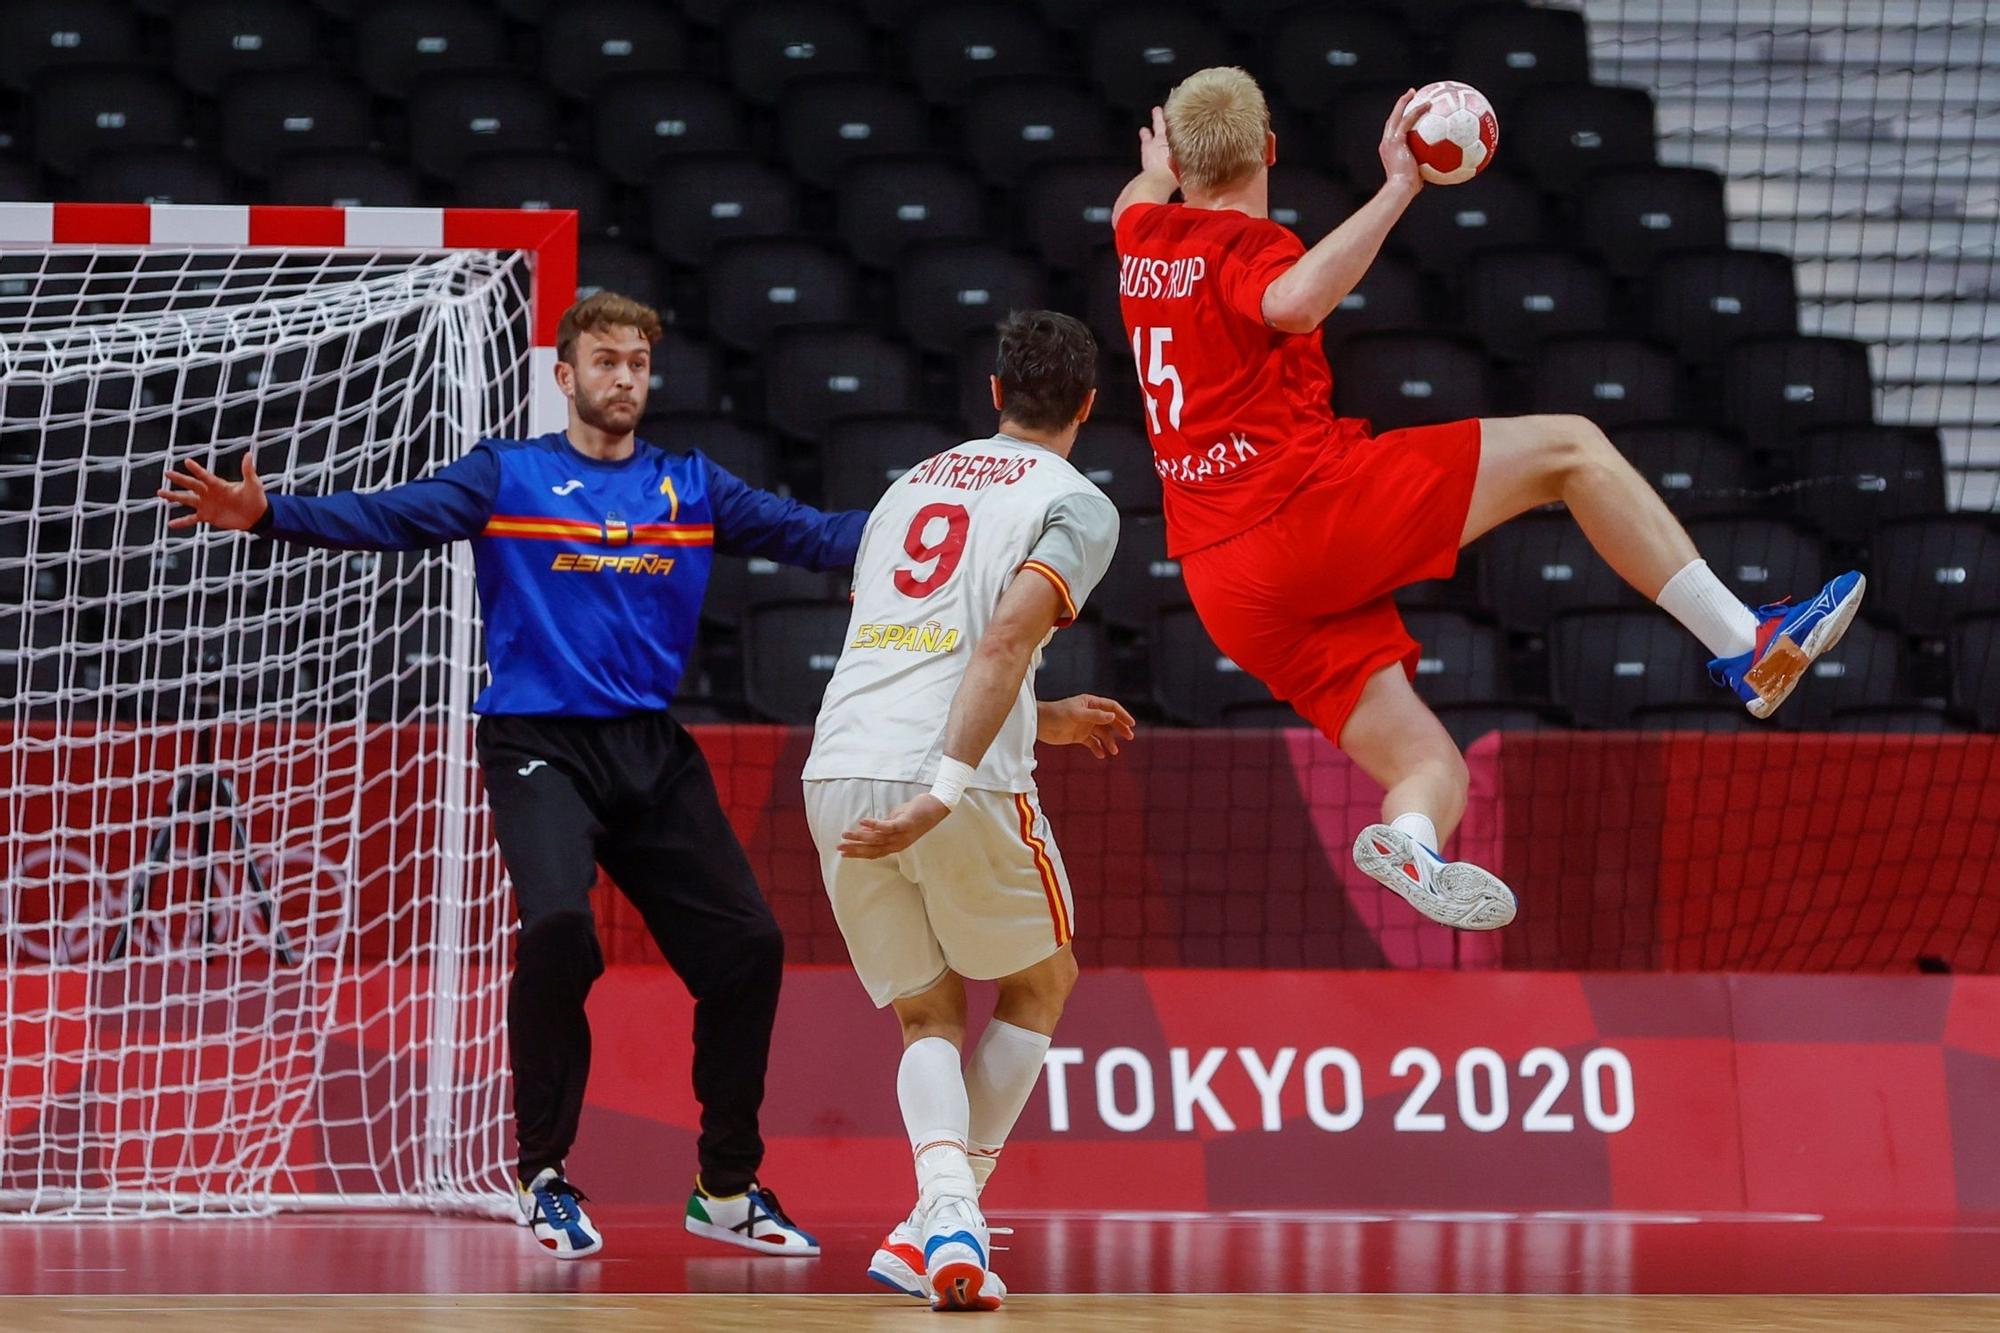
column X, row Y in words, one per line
column 931, row 1089
column 1418, row 826
column 1711, row 613
column 1000, row 1077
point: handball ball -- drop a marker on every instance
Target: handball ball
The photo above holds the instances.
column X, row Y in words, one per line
column 1456, row 138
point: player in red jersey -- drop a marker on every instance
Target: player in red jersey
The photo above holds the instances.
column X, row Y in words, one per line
column 1294, row 527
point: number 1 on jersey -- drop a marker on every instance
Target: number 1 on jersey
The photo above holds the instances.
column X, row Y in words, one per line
column 1157, row 372
column 947, row 550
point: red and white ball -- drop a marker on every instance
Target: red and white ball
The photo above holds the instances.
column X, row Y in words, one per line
column 1457, row 137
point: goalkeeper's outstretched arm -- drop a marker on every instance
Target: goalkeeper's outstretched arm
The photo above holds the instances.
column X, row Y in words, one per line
column 450, row 505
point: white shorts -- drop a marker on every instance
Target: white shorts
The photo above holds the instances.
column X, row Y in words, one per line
column 984, row 894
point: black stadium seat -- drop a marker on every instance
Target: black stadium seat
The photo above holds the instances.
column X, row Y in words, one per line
column 156, row 176
column 1924, row 573
column 1612, row 380
column 767, row 46
column 703, row 199
column 1016, row 125
column 1193, row 680
column 1775, row 388
column 813, row 376
column 642, row 121
column 1505, row 50
column 102, row 109
column 1854, row 478
column 1136, row 54
column 1761, row 560
column 1316, row 52
column 215, row 40
column 1516, row 298
column 1443, row 228
column 739, row 449
column 455, row 115
column 1864, row 669
column 757, row 287
column 1703, row 301
column 946, row 290
column 1141, row 581
column 1559, row 133
column 269, row 118
column 827, row 124
column 65, row 35
column 1390, row 295
column 1975, row 668
column 789, row 652
column 1540, row 564
column 1067, row 206
column 601, row 40
column 862, row 455
column 1077, row 660
column 1307, row 200
column 686, row 377
column 1604, row 665
column 1118, row 460
column 885, row 205
column 1695, row 470
column 1461, row 661
column 603, row 264
column 532, row 180
column 1409, row 379
column 947, row 49
column 346, row 180
column 400, row 47
column 1906, row 716
column 1633, row 215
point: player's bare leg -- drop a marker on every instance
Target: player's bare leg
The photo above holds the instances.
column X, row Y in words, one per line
column 1400, row 743
column 1527, row 462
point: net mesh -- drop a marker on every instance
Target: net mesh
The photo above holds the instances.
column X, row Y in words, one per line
column 253, row 922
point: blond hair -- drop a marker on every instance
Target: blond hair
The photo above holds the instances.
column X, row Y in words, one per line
column 1217, row 123
column 600, row 311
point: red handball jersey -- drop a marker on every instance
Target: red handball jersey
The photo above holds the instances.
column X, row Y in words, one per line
column 1240, row 413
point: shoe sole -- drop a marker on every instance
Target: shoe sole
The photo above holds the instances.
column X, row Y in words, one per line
column 1784, row 666
column 1477, row 899
column 710, row 1231
column 959, row 1287
column 897, row 1275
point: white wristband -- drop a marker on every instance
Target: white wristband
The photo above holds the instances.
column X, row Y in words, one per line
column 951, row 781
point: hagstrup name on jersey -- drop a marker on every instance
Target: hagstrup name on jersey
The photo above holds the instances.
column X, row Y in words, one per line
column 969, row 472
column 1159, row 279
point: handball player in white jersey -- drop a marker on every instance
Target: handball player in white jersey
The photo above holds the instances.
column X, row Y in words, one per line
column 920, row 789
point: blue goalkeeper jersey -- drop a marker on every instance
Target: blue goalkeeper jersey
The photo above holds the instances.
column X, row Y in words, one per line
column 591, row 573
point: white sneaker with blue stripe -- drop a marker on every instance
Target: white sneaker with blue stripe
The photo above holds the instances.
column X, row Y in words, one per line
column 956, row 1246
column 1789, row 638
column 551, row 1209
column 1452, row 893
column 753, row 1219
column 898, row 1262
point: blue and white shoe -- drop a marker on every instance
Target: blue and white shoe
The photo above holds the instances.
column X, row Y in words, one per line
column 1788, row 639
column 551, row 1209
column 956, row 1246
column 898, row 1262
column 753, row 1219
column 1452, row 893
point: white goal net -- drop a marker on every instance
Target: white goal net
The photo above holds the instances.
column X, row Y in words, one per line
column 254, row 927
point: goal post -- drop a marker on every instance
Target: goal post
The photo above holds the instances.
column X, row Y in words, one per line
column 254, row 926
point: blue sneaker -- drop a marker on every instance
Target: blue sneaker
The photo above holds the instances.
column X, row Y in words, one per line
column 1789, row 638
column 549, row 1207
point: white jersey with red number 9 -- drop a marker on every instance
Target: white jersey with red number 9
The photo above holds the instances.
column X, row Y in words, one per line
column 942, row 545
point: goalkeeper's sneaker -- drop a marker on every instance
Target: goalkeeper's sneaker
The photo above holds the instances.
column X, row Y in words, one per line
column 956, row 1245
column 753, row 1219
column 1788, row 639
column 551, row 1209
column 1452, row 893
column 899, row 1263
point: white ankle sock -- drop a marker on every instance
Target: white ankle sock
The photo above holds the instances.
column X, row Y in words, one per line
column 998, row 1081
column 1711, row 613
column 931, row 1089
column 1418, row 826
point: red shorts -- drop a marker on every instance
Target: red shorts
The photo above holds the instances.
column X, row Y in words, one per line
column 1302, row 599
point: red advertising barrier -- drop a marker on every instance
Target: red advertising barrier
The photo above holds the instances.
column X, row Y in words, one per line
column 1769, row 851
column 1206, row 1089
